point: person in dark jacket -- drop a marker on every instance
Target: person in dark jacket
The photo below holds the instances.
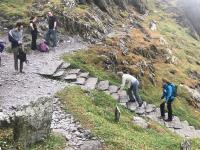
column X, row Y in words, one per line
column 2, row 46
column 51, row 33
column 16, row 37
column 34, row 32
column 169, row 97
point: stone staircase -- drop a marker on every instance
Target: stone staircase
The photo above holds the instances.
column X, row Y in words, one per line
column 65, row 73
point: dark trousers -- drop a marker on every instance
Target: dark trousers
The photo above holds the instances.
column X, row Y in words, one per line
column 169, row 108
column 16, row 53
column 34, row 39
column 51, row 35
column 133, row 92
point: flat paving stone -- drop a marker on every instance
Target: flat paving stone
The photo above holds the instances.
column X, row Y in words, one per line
column 73, row 71
column 71, row 77
column 50, row 68
column 123, row 97
column 84, row 75
column 91, row 83
column 59, row 73
column 115, row 96
column 65, row 65
column 113, row 89
column 103, row 85
column 131, row 106
column 80, row 81
column 150, row 108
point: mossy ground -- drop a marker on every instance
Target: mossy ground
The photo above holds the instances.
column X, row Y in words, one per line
column 95, row 111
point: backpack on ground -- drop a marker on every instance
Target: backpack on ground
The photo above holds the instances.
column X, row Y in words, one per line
column 43, row 47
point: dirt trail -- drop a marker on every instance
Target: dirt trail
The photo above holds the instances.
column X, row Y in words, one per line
column 20, row 89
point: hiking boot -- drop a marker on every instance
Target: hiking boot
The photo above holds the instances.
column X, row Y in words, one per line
column 140, row 104
column 168, row 120
column 162, row 117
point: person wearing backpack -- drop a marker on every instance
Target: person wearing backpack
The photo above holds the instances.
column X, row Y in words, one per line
column 15, row 36
column 169, row 94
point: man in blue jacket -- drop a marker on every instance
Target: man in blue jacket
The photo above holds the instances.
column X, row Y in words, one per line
column 168, row 94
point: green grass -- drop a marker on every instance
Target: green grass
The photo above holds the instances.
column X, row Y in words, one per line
column 95, row 110
column 53, row 142
column 87, row 61
column 12, row 8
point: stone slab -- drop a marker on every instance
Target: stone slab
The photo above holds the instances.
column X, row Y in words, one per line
column 123, row 97
column 113, row 89
column 91, row 83
column 103, row 85
column 73, row 71
column 84, row 75
column 71, row 77
column 65, row 65
column 80, row 81
column 140, row 122
column 50, row 68
column 131, row 106
column 59, row 73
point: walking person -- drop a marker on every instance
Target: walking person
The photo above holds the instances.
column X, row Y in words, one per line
column 133, row 87
column 51, row 33
column 34, row 32
column 169, row 93
column 2, row 46
column 16, row 37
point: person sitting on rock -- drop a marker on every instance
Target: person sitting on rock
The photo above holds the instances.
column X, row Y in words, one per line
column 51, row 33
column 133, row 85
column 169, row 97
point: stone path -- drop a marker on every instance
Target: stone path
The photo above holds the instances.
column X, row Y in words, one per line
column 75, row 76
column 17, row 90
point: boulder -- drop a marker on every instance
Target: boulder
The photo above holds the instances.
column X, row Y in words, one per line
column 103, row 85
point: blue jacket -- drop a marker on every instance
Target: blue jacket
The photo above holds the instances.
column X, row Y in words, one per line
column 168, row 92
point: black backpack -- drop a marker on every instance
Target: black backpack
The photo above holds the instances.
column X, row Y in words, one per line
column 22, row 56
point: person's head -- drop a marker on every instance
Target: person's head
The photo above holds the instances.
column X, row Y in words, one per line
column 19, row 26
column 50, row 14
column 120, row 74
column 165, row 81
column 33, row 18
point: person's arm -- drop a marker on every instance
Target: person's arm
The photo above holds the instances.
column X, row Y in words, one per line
column 55, row 24
column 123, row 82
column 31, row 25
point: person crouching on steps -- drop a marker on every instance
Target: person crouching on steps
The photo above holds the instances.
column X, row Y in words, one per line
column 15, row 37
column 133, row 85
column 168, row 95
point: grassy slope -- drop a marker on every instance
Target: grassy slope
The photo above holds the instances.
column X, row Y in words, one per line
column 11, row 8
column 183, row 45
column 96, row 112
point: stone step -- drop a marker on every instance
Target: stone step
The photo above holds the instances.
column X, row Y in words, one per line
column 84, row 75
column 73, row 71
column 123, row 97
column 103, row 85
column 59, row 74
column 90, row 83
column 132, row 106
column 113, row 89
column 65, row 65
column 71, row 77
column 80, row 81
column 50, row 68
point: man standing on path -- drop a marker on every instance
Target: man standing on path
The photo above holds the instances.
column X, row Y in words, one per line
column 16, row 37
column 133, row 85
column 168, row 90
column 51, row 33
